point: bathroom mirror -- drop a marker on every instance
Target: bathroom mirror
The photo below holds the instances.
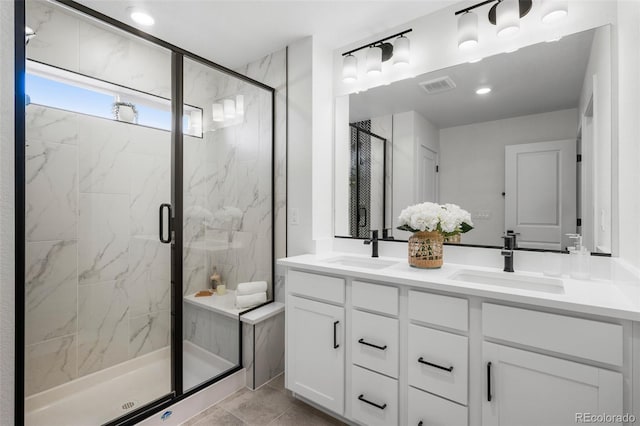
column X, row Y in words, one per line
column 522, row 140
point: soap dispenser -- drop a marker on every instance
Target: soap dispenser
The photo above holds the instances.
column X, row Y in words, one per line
column 580, row 259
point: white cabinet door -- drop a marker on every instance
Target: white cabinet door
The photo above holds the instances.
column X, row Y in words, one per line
column 430, row 410
column 315, row 352
column 525, row 388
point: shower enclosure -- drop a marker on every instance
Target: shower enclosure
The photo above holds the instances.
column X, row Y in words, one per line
column 147, row 170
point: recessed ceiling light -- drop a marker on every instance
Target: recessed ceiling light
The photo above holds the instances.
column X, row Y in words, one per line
column 483, row 90
column 142, row 18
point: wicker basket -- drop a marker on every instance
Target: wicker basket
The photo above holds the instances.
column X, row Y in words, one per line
column 425, row 250
column 453, row 239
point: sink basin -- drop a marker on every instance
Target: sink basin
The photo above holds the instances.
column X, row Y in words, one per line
column 511, row 280
column 361, row 262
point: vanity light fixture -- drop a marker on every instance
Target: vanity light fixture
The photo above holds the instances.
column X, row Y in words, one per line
column 467, row 30
column 554, row 10
column 142, row 18
column 349, row 68
column 507, row 17
column 504, row 14
column 374, row 60
column 217, row 112
column 401, row 51
column 229, row 108
column 483, row 90
column 377, row 52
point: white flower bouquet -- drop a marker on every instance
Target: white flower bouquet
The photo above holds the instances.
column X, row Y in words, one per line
column 447, row 219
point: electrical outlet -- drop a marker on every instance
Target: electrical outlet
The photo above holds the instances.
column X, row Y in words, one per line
column 295, row 217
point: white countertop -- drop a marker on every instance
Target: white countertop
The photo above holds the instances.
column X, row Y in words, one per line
column 611, row 298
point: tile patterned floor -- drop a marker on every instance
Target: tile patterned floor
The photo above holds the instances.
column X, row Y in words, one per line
column 270, row 405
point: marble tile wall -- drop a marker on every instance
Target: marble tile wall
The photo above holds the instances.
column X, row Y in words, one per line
column 71, row 41
column 98, row 280
column 263, row 354
column 228, row 193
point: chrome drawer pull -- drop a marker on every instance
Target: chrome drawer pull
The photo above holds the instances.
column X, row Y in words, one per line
column 382, row 348
column 382, row 407
column 422, row 361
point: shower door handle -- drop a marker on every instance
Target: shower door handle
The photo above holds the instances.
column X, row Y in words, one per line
column 164, row 207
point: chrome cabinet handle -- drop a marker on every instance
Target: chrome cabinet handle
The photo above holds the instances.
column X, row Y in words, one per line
column 422, row 361
column 382, row 348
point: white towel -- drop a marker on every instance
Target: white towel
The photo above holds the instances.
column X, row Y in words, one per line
column 250, row 300
column 254, row 287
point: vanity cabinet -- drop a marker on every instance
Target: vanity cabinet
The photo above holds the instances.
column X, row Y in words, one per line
column 379, row 353
column 315, row 340
column 526, row 388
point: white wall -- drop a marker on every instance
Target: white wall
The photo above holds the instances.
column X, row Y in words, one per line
column 597, row 86
column 628, row 132
column 299, row 173
column 410, row 131
column 472, row 164
column 7, row 259
column 342, row 167
column 434, row 40
column 322, row 144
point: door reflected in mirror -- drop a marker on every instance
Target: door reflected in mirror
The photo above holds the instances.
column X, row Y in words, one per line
column 521, row 140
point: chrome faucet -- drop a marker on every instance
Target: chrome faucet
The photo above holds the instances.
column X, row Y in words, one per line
column 374, row 243
column 507, row 252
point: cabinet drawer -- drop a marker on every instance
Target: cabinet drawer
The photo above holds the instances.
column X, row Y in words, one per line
column 375, row 297
column 434, row 411
column 317, row 286
column 438, row 362
column 446, row 311
column 374, row 399
column 579, row 337
column 375, row 342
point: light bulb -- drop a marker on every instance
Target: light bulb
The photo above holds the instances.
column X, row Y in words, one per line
column 401, row 51
column 508, row 17
column 349, row 69
column 554, row 10
column 467, row 30
column 217, row 112
column 142, row 18
column 374, row 60
column 229, row 108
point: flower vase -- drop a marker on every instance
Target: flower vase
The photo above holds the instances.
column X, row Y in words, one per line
column 425, row 249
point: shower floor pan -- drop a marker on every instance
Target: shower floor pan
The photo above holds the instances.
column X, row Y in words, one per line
column 111, row 393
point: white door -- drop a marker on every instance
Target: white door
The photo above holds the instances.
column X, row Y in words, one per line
column 315, row 351
column 540, row 193
column 522, row 388
column 428, row 178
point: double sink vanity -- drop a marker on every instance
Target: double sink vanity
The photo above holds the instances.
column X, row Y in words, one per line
column 377, row 342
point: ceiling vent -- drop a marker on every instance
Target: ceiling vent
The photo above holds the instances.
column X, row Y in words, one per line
column 438, row 85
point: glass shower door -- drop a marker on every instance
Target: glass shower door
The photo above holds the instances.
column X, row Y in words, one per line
column 227, row 222
column 98, row 147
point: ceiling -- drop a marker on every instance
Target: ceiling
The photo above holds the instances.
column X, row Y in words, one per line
column 539, row 78
column 234, row 33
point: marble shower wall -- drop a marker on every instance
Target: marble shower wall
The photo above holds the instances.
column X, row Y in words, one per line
column 228, row 177
column 70, row 41
column 98, row 280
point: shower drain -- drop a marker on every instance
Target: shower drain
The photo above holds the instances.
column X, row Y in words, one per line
column 128, row 405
